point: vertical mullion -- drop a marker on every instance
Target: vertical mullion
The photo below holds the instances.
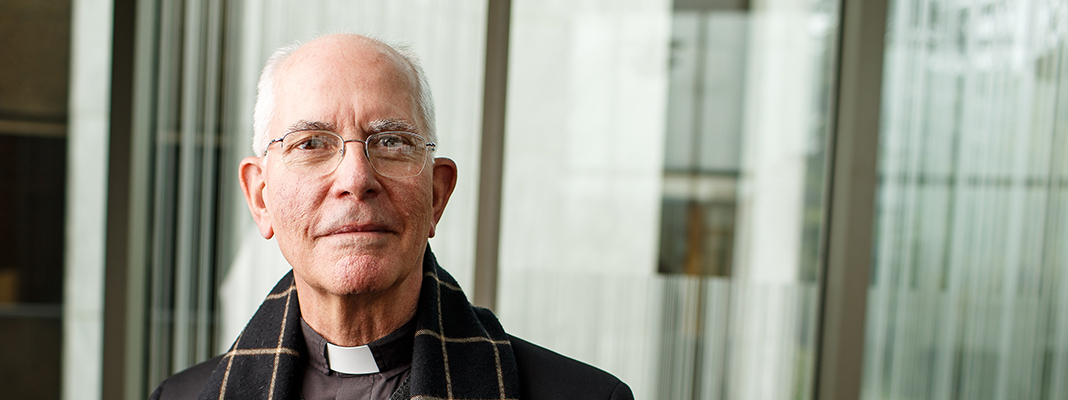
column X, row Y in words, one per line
column 851, row 213
column 494, row 95
column 208, row 199
column 189, row 136
column 141, row 200
column 117, row 272
column 231, row 205
column 161, row 312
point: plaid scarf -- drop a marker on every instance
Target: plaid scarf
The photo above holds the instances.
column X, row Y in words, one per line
column 460, row 351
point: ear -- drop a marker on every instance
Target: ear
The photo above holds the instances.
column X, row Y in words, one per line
column 444, row 182
column 253, row 185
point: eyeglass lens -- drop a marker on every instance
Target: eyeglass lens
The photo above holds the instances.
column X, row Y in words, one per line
column 392, row 154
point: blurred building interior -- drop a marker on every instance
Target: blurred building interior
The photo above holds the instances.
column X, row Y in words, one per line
column 710, row 199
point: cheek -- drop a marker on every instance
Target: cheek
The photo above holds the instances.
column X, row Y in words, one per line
column 424, row 200
column 290, row 207
column 414, row 204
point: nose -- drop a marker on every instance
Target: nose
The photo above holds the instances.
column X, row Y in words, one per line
column 354, row 174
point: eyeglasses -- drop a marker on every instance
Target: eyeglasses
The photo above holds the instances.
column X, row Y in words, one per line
column 391, row 154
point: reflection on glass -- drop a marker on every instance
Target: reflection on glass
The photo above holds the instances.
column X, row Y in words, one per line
column 687, row 270
column 743, row 179
column 969, row 291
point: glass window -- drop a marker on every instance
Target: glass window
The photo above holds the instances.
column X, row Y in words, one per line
column 34, row 76
column 663, row 189
column 969, row 288
column 663, row 199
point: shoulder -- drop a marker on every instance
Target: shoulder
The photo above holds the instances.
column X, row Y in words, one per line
column 544, row 374
column 186, row 384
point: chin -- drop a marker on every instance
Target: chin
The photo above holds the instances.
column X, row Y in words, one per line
column 361, row 276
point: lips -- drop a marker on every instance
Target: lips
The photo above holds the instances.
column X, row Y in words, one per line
column 347, row 221
column 360, row 228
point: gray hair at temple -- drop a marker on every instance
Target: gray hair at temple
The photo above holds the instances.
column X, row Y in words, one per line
column 265, row 97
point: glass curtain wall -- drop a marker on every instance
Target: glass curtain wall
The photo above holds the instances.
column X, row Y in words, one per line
column 663, row 190
column 178, row 139
column 207, row 267
column 663, row 196
column 969, row 287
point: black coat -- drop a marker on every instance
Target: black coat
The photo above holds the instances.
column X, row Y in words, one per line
column 543, row 375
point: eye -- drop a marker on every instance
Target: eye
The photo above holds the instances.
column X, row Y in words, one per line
column 311, row 141
column 392, row 141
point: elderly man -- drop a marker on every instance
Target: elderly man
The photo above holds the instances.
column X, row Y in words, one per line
column 345, row 181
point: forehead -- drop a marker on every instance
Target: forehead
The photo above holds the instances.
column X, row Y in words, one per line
column 345, row 83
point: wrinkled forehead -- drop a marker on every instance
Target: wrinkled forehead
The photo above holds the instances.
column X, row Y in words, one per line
column 334, row 71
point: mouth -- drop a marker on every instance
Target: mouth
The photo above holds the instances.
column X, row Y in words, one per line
column 360, row 229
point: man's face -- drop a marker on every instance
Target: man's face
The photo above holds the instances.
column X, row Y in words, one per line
column 352, row 231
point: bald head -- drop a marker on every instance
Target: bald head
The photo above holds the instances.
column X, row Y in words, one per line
column 353, row 54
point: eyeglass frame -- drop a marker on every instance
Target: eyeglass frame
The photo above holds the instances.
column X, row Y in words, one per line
column 431, row 147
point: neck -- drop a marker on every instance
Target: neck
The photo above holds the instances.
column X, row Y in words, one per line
column 359, row 319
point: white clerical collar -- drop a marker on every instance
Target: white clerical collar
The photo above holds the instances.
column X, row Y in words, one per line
column 351, row 360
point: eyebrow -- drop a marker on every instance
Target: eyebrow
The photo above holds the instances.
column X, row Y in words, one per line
column 390, row 124
column 304, row 125
column 376, row 126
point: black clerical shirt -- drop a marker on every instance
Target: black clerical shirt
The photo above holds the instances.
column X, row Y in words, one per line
column 393, row 354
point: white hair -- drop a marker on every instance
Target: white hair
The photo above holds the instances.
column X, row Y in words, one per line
column 263, row 111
